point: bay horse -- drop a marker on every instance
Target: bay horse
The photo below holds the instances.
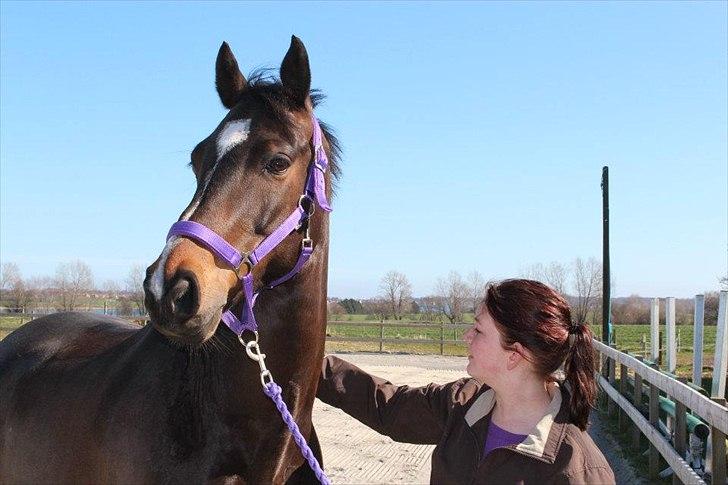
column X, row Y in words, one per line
column 93, row 399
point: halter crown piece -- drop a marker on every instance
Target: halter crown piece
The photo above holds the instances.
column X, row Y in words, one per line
column 314, row 194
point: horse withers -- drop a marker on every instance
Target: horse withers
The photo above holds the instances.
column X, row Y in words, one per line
column 92, row 399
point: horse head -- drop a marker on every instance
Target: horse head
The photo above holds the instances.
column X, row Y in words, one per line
column 251, row 172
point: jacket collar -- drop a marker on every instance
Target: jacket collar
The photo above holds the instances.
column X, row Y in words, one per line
column 545, row 438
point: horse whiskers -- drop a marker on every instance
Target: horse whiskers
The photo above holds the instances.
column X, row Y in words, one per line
column 222, row 346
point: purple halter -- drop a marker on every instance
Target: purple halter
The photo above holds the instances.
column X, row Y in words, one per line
column 314, row 193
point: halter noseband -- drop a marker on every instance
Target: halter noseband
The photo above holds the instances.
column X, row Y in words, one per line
column 314, row 193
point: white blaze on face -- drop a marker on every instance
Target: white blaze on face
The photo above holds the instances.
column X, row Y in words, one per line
column 234, row 133
column 157, row 285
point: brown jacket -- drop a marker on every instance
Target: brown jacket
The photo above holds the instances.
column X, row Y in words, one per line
column 455, row 417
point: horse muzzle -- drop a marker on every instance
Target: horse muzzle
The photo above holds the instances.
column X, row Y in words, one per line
column 185, row 292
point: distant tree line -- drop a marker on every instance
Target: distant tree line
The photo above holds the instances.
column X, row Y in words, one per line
column 579, row 281
column 72, row 287
column 635, row 309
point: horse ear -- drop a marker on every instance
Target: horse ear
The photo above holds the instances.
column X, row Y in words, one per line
column 229, row 81
column 295, row 71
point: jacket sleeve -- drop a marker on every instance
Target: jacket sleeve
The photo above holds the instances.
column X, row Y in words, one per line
column 406, row 414
column 593, row 474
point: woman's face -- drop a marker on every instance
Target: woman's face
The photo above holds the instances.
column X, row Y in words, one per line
column 487, row 359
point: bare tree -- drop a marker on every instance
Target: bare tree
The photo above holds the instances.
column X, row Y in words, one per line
column 8, row 272
column 376, row 307
column 43, row 293
column 335, row 308
column 456, row 296
column 555, row 274
column 476, row 284
column 632, row 310
column 73, row 280
column 134, row 287
column 430, row 308
column 587, row 287
column 712, row 299
column 397, row 291
column 15, row 290
column 111, row 289
column 535, row 271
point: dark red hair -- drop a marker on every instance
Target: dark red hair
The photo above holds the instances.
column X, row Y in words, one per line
column 539, row 318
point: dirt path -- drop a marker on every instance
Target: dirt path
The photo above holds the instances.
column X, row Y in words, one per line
column 354, row 454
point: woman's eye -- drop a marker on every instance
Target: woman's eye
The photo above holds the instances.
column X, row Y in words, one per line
column 277, row 165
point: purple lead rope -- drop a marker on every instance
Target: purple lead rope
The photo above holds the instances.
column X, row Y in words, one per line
column 273, row 391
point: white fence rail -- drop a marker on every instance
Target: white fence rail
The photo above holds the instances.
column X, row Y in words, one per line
column 671, row 440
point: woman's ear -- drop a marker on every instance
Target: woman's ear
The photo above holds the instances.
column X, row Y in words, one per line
column 516, row 356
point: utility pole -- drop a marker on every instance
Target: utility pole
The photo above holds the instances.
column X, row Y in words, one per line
column 606, row 287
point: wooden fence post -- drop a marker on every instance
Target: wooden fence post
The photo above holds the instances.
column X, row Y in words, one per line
column 670, row 334
column 717, row 391
column 698, row 320
column 623, row 391
column 680, row 432
column 442, row 339
column 637, row 404
column 717, row 456
column 599, row 362
column 655, row 330
column 654, row 467
column 612, row 369
column 381, row 337
column 720, row 363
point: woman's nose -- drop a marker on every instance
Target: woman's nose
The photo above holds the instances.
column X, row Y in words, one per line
column 468, row 335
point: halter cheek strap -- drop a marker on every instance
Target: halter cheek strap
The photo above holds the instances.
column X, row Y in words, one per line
column 314, row 194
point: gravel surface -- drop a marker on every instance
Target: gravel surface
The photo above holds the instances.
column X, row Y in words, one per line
column 354, row 454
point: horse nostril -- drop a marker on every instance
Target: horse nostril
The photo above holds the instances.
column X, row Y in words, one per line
column 182, row 296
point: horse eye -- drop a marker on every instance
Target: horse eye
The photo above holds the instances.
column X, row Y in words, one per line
column 277, row 165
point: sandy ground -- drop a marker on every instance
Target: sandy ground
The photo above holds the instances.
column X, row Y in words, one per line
column 354, row 454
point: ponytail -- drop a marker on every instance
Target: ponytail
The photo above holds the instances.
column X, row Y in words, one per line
column 579, row 369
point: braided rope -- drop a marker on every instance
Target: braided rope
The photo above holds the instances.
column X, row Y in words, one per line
column 273, row 391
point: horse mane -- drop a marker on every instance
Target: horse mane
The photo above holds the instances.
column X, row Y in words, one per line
column 264, row 86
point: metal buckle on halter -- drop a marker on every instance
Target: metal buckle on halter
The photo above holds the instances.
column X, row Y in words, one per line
column 245, row 261
column 310, row 206
column 307, row 243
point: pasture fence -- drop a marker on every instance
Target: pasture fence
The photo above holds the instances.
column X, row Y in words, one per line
column 443, row 332
column 683, row 423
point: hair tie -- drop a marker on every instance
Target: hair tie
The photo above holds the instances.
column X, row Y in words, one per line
column 575, row 329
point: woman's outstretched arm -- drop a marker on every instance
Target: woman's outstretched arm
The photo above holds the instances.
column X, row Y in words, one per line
column 406, row 414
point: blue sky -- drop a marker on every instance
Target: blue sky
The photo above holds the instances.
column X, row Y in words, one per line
column 474, row 134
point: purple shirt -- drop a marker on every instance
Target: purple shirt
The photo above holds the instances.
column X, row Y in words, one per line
column 498, row 437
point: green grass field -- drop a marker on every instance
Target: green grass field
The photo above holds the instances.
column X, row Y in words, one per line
column 628, row 338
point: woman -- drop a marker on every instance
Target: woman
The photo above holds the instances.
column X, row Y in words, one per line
column 513, row 421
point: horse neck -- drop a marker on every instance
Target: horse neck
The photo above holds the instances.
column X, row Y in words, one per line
column 292, row 327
